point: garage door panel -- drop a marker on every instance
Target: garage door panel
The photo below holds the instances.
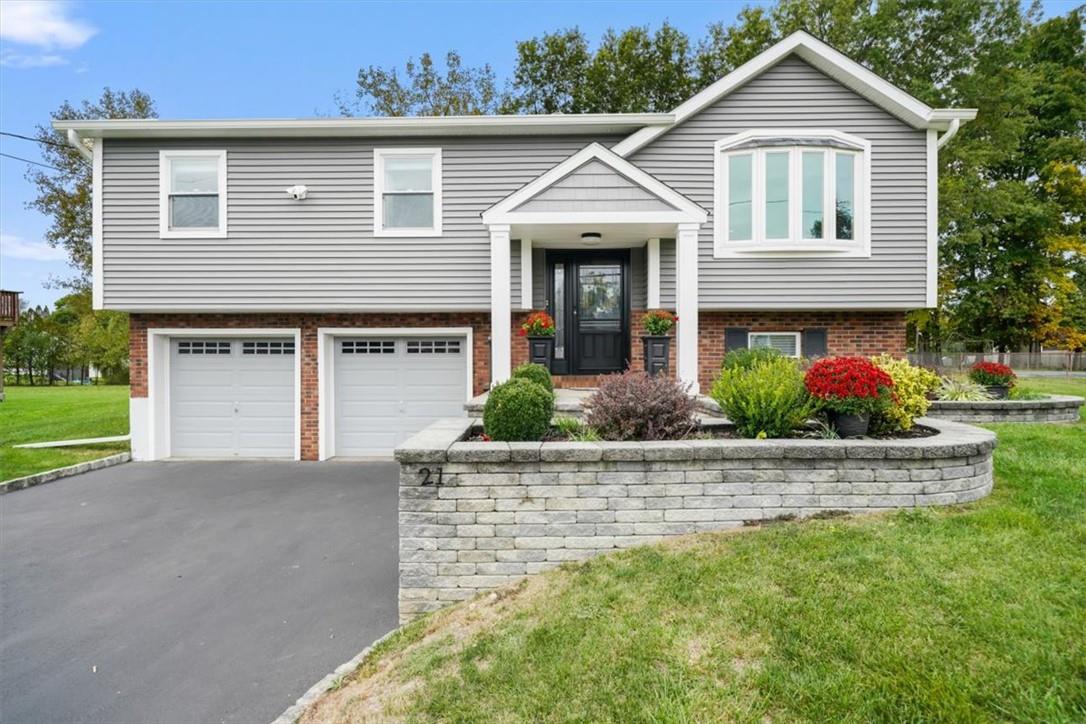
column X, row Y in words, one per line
column 227, row 400
column 387, row 390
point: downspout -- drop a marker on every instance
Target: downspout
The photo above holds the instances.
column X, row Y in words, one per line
column 952, row 131
column 77, row 143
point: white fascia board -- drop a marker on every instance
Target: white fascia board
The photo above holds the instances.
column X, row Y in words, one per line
column 831, row 62
column 685, row 210
column 399, row 126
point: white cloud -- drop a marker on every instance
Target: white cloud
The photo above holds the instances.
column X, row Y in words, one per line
column 42, row 23
column 11, row 59
column 16, row 247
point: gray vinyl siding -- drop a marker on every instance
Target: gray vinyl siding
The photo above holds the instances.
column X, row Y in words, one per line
column 594, row 187
column 639, row 278
column 514, row 273
column 317, row 254
column 795, row 95
column 667, row 273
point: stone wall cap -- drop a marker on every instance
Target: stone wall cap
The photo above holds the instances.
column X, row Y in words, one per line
column 1049, row 403
column 443, row 441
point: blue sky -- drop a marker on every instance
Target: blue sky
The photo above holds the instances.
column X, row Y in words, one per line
column 251, row 59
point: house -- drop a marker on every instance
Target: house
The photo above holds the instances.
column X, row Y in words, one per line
column 317, row 288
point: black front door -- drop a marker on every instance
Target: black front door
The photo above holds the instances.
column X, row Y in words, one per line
column 589, row 300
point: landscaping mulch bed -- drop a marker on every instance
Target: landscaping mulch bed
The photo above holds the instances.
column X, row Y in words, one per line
column 726, row 432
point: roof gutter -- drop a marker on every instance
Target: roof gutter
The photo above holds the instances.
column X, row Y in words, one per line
column 944, row 139
column 77, row 143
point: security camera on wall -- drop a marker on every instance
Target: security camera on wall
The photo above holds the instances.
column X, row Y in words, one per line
column 298, row 193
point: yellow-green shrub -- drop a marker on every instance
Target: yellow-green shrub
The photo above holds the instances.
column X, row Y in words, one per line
column 912, row 385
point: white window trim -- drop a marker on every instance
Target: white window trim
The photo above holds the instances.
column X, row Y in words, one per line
column 379, row 156
column 794, row 246
column 164, row 230
column 797, row 335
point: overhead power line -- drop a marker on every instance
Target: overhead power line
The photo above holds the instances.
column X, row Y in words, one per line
column 27, row 160
column 35, row 140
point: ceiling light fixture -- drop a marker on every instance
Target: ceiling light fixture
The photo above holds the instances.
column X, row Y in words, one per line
column 591, row 238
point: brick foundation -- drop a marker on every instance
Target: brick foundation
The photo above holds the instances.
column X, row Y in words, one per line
column 848, row 333
column 309, row 324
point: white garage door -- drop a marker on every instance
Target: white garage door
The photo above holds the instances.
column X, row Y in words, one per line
column 232, row 397
column 387, row 389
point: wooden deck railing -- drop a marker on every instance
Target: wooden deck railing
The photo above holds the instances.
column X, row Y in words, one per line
column 9, row 308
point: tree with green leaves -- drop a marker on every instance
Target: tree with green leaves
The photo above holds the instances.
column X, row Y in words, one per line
column 424, row 91
column 65, row 195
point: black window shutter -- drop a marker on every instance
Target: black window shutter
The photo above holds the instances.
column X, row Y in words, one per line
column 814, row 343
column 735, row 338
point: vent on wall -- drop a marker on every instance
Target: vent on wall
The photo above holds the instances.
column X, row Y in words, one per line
column 268, row 347
column 433, row 346
column 202, row 346
column 368, row 346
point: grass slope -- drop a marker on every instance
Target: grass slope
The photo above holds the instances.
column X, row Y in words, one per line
column 969, row 613
column 42, row 414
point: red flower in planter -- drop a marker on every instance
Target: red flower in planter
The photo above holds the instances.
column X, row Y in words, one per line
column 848, row 384
column 538, row 324
column 659, row 322
column 992, row 373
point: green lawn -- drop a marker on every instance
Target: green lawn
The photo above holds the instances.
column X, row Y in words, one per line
column 41, row 414
column 970, row 613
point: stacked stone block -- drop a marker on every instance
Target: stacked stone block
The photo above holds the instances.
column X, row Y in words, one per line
column 1055, row 408
column 475, row 515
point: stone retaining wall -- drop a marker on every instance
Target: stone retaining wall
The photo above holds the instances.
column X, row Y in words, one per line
column 1056, row 408
column 477, row 515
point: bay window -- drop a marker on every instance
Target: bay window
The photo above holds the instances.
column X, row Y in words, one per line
column 802, row 192
column 407, row 192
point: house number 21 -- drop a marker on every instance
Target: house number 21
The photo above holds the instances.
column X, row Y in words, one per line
column 432, row 476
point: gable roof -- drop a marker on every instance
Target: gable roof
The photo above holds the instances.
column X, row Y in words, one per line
column 833, row 63
column 678, row 207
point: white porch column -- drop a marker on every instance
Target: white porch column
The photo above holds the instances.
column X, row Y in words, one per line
column 501, row 334
column 686, row 303
column 653, row 256
column 525, row 273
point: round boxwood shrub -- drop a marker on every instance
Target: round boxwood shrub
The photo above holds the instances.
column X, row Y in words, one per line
column 534, row 373
column 518, row 411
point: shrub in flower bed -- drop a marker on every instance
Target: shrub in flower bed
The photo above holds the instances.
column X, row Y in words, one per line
column 956, row 390
column 747, row 357
column 998, row 378
column 534, row 373
column 659, row 322
column 766, row 399
column 912, row 389
column 634, row 406
column 849, row 390
column 518, row 411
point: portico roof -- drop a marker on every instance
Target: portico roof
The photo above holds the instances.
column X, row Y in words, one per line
column 595, row 186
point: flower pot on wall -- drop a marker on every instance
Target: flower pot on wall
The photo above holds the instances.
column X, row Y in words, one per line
column 998, row 392
column 541, row 350
column 657, row 353
column 849, row 424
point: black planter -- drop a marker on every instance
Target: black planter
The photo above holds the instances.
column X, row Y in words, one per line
column 541, row 351
column 998, row 392
column 849, row 425
column 657, row 353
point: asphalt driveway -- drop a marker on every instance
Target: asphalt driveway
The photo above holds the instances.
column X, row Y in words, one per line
column 191, row 592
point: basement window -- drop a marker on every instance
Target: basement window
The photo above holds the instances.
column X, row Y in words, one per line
column 787, row 343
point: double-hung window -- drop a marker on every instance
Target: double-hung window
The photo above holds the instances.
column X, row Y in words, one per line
column 192, row 194
column 407, row 192
column 792, row 191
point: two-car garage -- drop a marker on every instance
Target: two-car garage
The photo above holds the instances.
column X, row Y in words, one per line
column 236, row 393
